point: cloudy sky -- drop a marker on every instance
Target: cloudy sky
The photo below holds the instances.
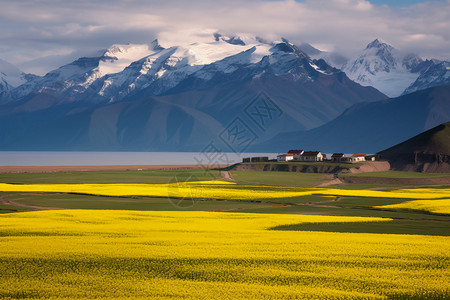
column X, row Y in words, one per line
column 39, row 35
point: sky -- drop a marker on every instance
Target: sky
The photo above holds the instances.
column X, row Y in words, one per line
column 40, row 35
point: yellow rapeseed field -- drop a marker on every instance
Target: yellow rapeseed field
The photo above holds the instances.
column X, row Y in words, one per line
column 133, row 254
column 218, row 190
column 440, row 206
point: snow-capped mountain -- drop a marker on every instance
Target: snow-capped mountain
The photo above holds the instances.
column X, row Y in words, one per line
column 74, row 79
column 438, row 73
column 124, row 70
column 387, row 69
column 11, row 77
column 166, row 68
column 167, row 97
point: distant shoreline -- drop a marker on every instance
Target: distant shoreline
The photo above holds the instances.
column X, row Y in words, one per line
column 51, row 169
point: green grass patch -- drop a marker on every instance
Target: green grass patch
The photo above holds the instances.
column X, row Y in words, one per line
column 367, row 202
column 132, row 176
column 6, row 209
column 421, row 227
column 279, row 178
column 368, row 186
column 332, row 209
column 73, row 201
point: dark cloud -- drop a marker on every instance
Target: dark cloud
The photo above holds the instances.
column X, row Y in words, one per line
column 49, row 32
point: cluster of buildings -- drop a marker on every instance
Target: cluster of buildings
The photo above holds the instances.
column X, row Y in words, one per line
column 314, row 156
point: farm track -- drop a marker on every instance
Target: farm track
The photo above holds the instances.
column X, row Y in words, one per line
column 31, row 206
column 334, row 181
column 226, row 175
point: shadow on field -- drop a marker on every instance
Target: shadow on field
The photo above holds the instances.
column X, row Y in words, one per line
column 397, row 226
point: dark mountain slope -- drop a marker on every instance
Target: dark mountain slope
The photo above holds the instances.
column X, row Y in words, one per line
column 426, row 152
column 371, row 127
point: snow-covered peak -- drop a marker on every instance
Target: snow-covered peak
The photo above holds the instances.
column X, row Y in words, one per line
column 379, row 43
column 382, row 66
column 204, row 53
column 379, row 56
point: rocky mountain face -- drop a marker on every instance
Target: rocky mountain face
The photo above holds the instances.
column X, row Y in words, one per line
column 176, row 97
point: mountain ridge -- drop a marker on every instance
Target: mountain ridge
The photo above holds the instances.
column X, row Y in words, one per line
column 371, row 127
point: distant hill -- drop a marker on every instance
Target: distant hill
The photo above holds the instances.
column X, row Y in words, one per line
column 426, row 152
column 372, row 127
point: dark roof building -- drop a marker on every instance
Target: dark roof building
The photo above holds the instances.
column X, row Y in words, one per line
column 295, row 151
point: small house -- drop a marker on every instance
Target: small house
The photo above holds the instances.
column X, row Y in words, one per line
column 285, row 157
column 336, row 157
column 357, row 157
column 311, row 156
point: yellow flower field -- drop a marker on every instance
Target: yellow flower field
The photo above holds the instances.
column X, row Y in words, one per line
column 434, row 206
column 134, row 254
column 218, row 190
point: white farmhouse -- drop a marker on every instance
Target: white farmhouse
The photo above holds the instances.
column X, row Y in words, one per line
column 359, row 157
column 311, row 156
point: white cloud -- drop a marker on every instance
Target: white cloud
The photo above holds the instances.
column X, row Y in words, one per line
column 32, row 31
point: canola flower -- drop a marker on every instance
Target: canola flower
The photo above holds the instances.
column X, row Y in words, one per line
column 218, row 190
column 79, row 254
column 439, row 206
